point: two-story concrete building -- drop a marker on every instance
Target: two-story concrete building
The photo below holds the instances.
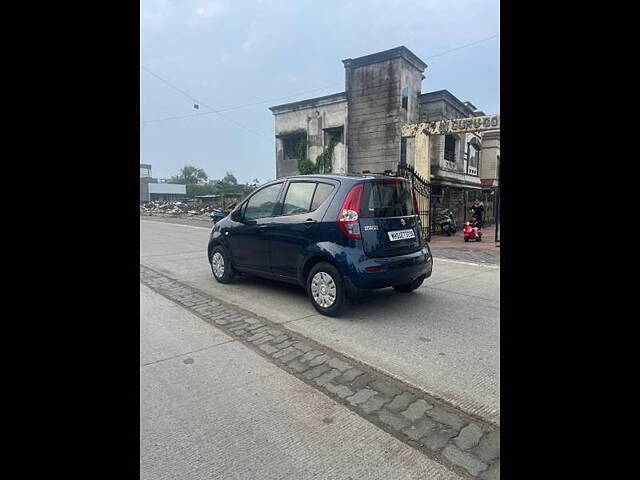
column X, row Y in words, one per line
column 382, row 93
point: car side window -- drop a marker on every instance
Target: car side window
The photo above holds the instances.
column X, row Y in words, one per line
column 322, row 192
column 298, row 198
column 261, row 204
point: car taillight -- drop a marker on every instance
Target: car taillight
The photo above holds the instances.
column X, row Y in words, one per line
column 350, row 211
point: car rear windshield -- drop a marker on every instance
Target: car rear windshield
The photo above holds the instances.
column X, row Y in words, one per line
column 387, row 198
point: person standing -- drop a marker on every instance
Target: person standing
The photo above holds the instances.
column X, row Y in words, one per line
column 477, row 209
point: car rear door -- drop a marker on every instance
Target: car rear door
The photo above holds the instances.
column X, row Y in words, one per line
column 388, row 223
column 303, row 206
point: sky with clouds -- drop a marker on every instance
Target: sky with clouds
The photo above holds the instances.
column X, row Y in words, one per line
column 241, row 57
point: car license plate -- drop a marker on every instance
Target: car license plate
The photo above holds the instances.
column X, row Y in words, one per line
column 401, row 235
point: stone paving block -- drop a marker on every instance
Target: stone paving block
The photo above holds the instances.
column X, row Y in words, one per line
column 375, row 403
column 361, row 381
column 361, row 396
column 310, row 355
column 463, row 459
column 339, row 390
column 338, row 364
column 469, row 437
column 280, row 339
column 395, row 421
column 441, row 415
column 258, row 335
column 492, row 473
column 316, row 371
column 282, row 345
column 303, row 347
column 416, row 410
column 298, row 366
column 327, row 377
column 385, row 388
column 423, row 427
column 489, row 447
column 275, row 332
column 252, row 321
column 284, row 351
column 349, row 376
column 258, row 327
column 437, row 438
column 289, row 356
column 265, row 347
column 401, row 402
column 239, row 332
column 319, row 360
column 262, row 340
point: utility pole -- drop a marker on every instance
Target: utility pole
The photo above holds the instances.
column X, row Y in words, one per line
column 497, row 239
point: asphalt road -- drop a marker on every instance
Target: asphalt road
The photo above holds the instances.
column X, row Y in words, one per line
column 212, row 408
column 442, row 338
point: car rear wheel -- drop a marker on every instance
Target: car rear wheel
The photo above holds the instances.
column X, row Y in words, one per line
column 326, row 289
column 411, row 286
column 221, row 267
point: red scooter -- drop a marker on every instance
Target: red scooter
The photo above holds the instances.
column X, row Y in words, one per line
column 471, row 232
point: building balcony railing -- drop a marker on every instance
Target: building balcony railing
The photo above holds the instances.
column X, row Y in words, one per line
column 448, row 165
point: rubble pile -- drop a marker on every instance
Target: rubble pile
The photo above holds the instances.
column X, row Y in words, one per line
column 176, row 208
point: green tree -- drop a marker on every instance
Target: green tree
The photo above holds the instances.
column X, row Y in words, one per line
column 190, row 175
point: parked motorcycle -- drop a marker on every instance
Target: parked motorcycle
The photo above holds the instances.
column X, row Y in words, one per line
column 448, row 222
column 472, row 232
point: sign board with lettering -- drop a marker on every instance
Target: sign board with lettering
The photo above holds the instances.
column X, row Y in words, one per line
column 458, row 125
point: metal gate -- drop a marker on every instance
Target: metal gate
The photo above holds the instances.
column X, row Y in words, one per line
column 422, row 191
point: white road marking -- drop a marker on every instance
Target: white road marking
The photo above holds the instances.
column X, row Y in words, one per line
column 493, row 267
column 175, row 224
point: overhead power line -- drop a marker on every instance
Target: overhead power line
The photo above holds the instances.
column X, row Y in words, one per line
column 200, row 102
column 462, row 46
column 218, row 111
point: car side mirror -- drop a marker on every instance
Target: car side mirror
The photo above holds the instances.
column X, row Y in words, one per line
column 236, row 215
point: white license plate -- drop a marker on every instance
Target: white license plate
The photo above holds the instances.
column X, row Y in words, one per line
column 401, row 235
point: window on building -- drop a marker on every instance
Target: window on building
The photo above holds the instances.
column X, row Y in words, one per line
column 403, row 151
column 405, row 97
column 292, row 146
column 473, row 157
column 450, row 148
column 335, row 134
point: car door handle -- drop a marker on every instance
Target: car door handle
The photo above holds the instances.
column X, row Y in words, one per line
column 263, row 226
column 310, row 221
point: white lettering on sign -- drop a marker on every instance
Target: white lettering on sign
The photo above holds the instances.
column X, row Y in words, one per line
column 458, row 125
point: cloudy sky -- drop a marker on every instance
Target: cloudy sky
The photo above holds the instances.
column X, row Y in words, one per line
column 241, row 57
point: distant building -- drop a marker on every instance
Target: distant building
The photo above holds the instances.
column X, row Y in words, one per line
column 383, row 92
column 151, row 190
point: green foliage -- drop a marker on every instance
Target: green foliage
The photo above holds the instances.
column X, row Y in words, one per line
column 323, row 163
column 228, row 185
column 190, row 175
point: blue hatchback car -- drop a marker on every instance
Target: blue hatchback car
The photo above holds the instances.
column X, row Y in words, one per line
column 332, row 234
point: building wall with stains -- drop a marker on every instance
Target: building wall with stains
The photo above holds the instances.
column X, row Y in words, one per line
column 317, row 121
column 376, row 85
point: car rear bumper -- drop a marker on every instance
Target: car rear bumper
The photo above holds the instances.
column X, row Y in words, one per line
column 392, row 270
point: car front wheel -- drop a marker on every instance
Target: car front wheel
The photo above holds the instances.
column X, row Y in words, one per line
column 326, row 289
column 221, row 267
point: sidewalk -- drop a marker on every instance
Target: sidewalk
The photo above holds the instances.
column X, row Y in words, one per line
column 455, row 248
